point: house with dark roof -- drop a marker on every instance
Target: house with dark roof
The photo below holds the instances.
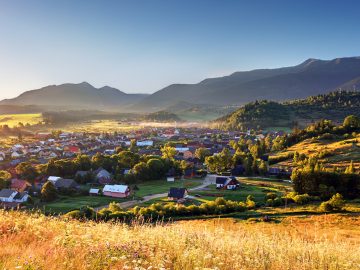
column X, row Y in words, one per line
column 224, row 182
column 67, row 184
column 10, row 196
column 176, row 194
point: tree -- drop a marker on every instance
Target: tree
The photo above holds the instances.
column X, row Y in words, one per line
column 156, row 168
column 168, row 152
column 351, row 168
column 26, row 171
column 4, row 179
column 83, row 162
column 201, row 153
column 263, row 168
column 351, row 122
column 141, row 171
column 48, row 192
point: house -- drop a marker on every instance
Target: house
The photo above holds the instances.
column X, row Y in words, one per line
column 103, row 176
column 177, row 194
column 19, row 185
column 188, row 155
column 170, row 179
column 53, row 179
column 227, row 182
column 66, row 184
column 94, row 192
column 117, row 191
column 145, row 143
column 10, row 196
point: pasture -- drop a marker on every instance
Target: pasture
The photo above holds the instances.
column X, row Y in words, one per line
column 13, row 120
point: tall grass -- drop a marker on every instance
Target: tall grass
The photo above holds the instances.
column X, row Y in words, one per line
column 39, row 242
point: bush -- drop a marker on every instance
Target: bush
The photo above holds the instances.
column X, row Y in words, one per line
column 271, row 195
column 336, row 203
column 302, row 199
column 325, row 207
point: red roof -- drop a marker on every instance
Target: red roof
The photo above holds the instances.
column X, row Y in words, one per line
column 19, row 185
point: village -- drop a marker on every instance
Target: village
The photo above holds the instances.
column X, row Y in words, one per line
column 98, row 186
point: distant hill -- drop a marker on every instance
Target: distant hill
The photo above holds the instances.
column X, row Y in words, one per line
column 76, row 96
column 333, row 106
column 311, row 77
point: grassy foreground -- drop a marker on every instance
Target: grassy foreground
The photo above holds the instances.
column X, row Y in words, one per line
column 39, row 242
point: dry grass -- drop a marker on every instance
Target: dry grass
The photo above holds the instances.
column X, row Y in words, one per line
column 38, row 242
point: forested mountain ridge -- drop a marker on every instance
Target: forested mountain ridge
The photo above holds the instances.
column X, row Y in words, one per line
column 312, row 77
column 333, row 106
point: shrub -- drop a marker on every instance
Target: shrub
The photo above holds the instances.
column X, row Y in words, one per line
column 271, row 195
column 336, row 203
column 325, row 207
column 302, row 199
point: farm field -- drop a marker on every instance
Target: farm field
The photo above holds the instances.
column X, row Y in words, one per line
column 66, row 204
column 161, row 186
column 13, row 120
column 257, row 188
column 317, row 242
column 100, row 126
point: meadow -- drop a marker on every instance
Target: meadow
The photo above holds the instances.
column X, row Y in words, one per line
column 33, row 241
column 13, row 120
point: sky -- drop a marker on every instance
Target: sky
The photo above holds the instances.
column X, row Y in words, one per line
column 143, row 46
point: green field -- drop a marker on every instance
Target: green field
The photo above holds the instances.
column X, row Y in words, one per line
column 161, row 186
column 13, row 120
column 254, row 187
column 65, row 204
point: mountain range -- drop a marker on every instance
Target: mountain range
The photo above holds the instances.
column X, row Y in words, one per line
column 76, row 96
column 311, row 77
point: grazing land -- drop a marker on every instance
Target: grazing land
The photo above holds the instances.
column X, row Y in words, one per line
column 306, row 242
column 336, row 152
column 13, row 120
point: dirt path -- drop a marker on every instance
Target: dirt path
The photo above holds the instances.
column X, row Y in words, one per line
column 129, row 204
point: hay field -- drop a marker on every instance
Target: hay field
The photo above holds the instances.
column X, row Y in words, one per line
column 317, row 242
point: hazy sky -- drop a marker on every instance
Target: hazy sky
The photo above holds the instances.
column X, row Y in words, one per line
column 142, row 46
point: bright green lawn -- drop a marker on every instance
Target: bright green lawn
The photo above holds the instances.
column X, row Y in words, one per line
column 162, row 186
column 258, row 192
column 66, row 203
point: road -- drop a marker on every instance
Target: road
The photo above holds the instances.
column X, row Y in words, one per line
column 128, row 204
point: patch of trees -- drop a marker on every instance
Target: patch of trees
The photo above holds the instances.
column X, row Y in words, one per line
column 248, row 154
column 326, row 184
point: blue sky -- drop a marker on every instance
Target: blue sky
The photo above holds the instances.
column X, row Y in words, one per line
column 142, row 46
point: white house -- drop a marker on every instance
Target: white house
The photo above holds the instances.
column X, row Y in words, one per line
column 182, row 149
column 94, row 191
column 145, row 143
column 170, row 179
column 9, row 195
column 15, row 155
column 118, row 191
column 53, row 179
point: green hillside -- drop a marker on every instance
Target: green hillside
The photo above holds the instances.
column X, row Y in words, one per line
column 334, row 106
